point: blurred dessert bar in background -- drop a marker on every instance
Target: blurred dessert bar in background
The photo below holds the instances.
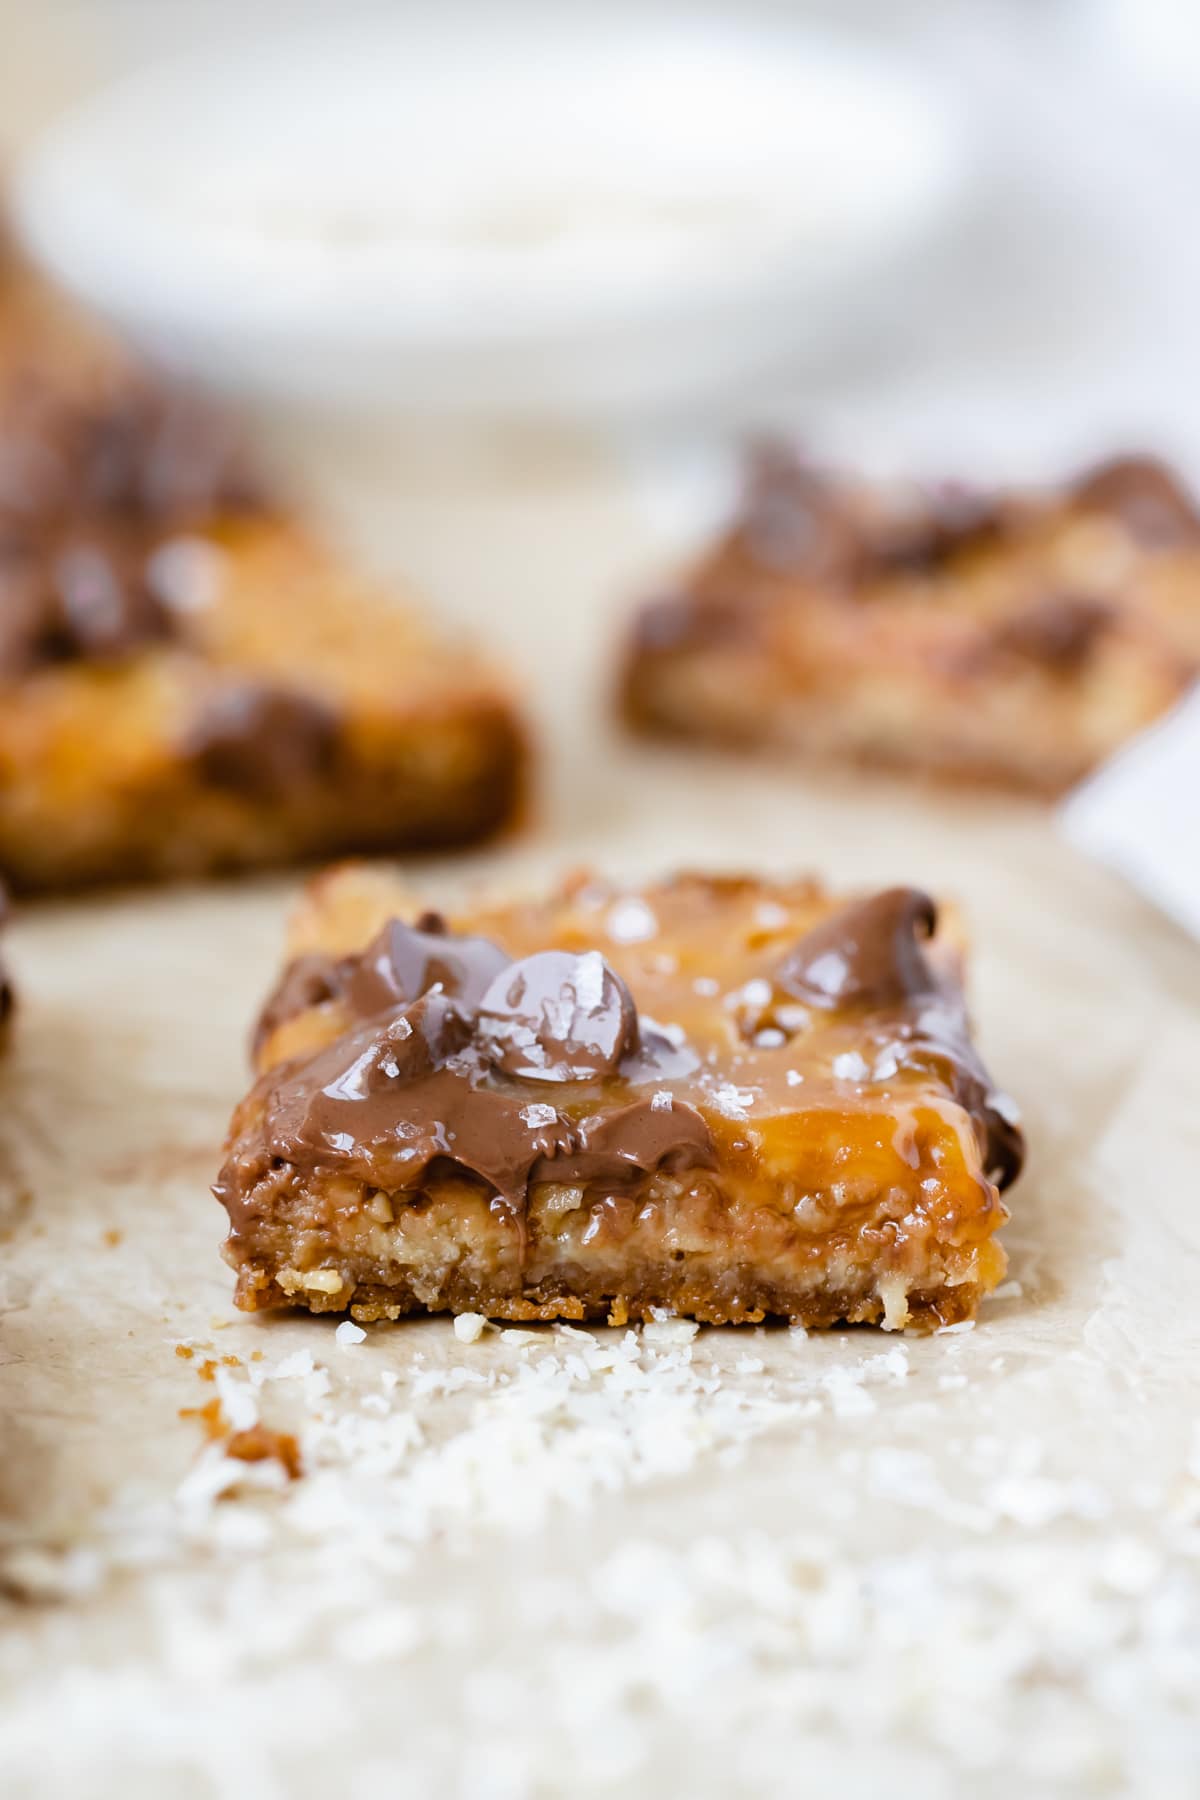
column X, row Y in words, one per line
column 189, row 681
column 718, row 1096
column 1009, row 637
column 7, row 992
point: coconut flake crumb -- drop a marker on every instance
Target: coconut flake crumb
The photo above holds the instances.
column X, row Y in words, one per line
column 469, row 1327
column 669, row 1332
column 850, row 1066
column 348, row 1334
column 630, row 921
column 706, row 986
column 662, row 1100
column 1014, row 1632
column 536, row 1115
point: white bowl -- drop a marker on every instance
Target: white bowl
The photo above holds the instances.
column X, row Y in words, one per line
column 519, row 213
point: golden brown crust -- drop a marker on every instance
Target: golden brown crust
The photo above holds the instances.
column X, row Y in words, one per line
column 1019, row 646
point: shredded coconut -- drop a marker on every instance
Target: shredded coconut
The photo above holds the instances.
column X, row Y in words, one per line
column 469, row 1327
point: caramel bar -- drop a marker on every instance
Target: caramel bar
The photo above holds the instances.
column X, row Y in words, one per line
column 1006, row 637
column 728, row 1098
column 189, row 683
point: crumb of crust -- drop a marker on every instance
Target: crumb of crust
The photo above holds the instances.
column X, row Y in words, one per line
column 252, row 1443
column 211, row 1415
column 185, row 1351
column 113, row 1237
column 259, row 1443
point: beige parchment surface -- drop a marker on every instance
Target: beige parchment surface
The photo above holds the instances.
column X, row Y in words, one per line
column 751, row 1561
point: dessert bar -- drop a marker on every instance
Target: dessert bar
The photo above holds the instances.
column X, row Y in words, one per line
column 190, row 683
column 716, row 1096
column 1017, row 638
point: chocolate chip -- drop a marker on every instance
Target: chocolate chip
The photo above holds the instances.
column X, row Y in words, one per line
column 707, row 622
column 159, row 455
column 868, row 954
column 404, row 961
column 80, row 598
column 794, row 518
column 107, row 610
column 263, row 741
column 1146, row 497
column 941, row 521
column 558, row 1017
column 1059, row 632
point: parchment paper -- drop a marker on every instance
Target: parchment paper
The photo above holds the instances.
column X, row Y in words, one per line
column 970, row 1566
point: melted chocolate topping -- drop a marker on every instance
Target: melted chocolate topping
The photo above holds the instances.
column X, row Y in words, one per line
column 443, row 1031
column 7, row 996
column 85, row 596
column 938, row 522
column 405, row 961
column 796, row 517
column 87, row 497
column 871, row 956
column 1059, row 633
column 517, row 1070
column 1146, row 497
column 262, row 741
column 868, row 954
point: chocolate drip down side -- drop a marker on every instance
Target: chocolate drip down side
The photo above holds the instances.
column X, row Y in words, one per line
column 872, row 955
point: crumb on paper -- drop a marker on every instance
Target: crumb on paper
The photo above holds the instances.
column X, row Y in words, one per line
column 348, row 1334
column 259, row 1443
column 660, row 1332
column 469, row 1327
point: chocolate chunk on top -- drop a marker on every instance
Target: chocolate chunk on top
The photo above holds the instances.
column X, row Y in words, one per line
column 88, row 496
column 263, row 741
column 1146, row 497
column 557, row 1017
column 867, row 954
column 1059, row 632
column 405, row 961
column 83, row 597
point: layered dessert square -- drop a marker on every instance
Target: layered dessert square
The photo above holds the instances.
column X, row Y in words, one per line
column 189, row 682
column 721, row 1097
column 1009, row 637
